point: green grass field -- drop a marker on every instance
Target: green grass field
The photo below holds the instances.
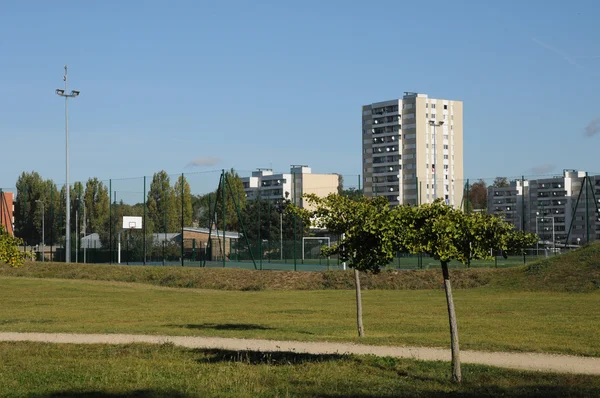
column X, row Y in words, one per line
column 552, row 305
column 46, row 370
column 489, row 318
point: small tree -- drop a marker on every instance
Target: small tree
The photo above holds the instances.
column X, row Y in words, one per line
column 234, row 196
column 448, row 234
column 478, row 195
column 9, row 250
column 366, row 235
column 187, row 201
column 500, row 182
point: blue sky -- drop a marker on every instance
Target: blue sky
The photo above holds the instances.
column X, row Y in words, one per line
column 269, row 84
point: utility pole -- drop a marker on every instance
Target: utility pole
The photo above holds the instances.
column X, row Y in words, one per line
column 43, row 229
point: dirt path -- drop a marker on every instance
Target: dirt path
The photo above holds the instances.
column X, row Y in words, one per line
column 528, row 361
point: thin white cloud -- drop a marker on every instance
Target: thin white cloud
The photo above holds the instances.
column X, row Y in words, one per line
column 543, row 168
column 564, row 55
column 203, row 161
column 593, row 127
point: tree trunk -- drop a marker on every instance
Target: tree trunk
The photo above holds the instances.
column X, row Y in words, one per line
column 456, row 372
column 359, row 322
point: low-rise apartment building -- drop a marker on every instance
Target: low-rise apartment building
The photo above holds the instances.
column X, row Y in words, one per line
column 561, row 209
column 299, row 181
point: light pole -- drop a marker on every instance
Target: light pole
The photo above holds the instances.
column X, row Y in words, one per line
column 63, row 93
column 77, row 232
column 84, row 229
column 435, row 124
column 43, row 229
column 281, row 208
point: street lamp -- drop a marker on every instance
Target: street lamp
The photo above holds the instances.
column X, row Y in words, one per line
column 280, row 209
column 43, row 229
column 435, row 124
column 63, row 93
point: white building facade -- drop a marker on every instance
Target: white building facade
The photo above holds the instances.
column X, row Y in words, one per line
column 413, row 150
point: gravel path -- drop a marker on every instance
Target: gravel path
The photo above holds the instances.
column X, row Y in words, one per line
column 528, row 361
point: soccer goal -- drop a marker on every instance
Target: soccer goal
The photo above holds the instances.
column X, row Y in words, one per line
column 314, row 245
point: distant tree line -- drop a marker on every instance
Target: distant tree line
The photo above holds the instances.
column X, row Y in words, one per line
column 164, row 210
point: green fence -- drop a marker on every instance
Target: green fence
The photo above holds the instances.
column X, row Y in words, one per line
column 185, row 215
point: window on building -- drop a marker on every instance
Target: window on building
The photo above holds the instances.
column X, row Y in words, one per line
column 445, row 146
column 445, row 106
column 432, row 106
column 445, row 156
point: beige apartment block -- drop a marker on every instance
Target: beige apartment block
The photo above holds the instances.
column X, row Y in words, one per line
column 413, row 150
column 293, row 185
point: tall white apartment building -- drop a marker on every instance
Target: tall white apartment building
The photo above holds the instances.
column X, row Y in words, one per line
column 413, row 150
column 299, row 181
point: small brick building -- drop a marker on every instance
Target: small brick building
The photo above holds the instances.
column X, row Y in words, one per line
column 197, row 239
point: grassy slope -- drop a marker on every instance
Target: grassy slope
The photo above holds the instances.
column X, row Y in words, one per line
column 44, row 370
column 241, row 279
column 578, row 271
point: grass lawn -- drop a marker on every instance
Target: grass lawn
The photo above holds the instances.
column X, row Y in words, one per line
column 489, row 318
column 46, row 370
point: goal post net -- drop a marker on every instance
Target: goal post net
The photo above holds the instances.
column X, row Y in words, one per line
column 311, row 246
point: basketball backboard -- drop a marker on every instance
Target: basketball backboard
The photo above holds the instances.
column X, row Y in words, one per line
column 132, row 222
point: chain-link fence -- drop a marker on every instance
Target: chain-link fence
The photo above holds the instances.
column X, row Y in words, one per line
column 227, row 218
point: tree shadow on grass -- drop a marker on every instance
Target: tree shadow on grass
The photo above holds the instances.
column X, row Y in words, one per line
column 531, row 390
column 222, row 326
column 264, row 358
column 466, row 391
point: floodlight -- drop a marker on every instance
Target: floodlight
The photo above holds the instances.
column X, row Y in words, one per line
column 74, row 93
column 60, row 92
